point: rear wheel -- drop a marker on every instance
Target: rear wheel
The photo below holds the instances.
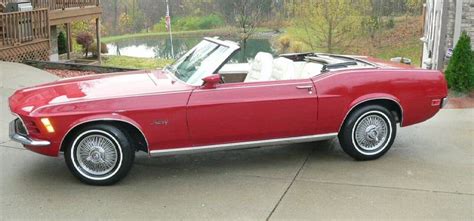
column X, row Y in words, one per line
column 368, row 132
column 100, row 155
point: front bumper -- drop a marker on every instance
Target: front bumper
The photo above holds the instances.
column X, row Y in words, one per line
column 22, row 137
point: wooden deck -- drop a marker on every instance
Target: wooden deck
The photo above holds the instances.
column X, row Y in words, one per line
column 26, row 35
column 65, row 11
column 20, row 27
column 68, row 15
column 59, row 4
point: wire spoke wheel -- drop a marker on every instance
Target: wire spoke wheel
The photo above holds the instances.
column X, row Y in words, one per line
column 97, row 155
column 371, row 132
column 368, row 132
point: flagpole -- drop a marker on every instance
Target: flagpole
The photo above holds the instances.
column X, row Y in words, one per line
column 169, row 27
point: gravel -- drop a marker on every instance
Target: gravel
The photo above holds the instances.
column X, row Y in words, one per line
column 69, row 73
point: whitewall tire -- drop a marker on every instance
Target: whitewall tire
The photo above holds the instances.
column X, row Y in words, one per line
column 99, row 154
column 368, row 132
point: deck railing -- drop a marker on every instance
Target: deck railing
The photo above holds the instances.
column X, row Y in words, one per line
column 20, row 27
column 58, row 4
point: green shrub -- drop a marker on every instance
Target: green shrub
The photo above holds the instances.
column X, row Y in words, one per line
column 211, row 21
column 390, row 23
column 284, row 43
column 460, row 71
column 103, row 49
column 161, row 26
column 62, row 43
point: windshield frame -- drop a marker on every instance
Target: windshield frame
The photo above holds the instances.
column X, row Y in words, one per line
column 231, row 48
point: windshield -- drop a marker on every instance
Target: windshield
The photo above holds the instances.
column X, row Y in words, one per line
column 200, row 62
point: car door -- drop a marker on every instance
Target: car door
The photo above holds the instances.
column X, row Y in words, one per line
column 240, row 112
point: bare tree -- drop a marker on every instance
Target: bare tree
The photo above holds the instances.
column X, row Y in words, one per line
column 327, row 24
column 248, row 14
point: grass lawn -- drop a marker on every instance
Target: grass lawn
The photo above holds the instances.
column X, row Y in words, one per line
column 401, row 41
column 137, row 63
column 411, row 49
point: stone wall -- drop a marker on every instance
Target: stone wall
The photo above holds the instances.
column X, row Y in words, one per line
column 467, row 21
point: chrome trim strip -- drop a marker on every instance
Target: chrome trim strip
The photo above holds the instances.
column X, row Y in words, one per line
column 354, row 57
column 371, row 99
column 259, row 85
column 25, row 140
column 332, row 73
column 242, row 145
column 104, row 119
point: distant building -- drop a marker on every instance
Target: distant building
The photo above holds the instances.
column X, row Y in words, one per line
column 445, row 20
column 28, row 28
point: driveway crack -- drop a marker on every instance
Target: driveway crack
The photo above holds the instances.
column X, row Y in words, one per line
column 289, row 186
column 15, row 148
column 387, row 187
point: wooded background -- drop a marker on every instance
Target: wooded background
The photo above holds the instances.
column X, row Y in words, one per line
column 125, row 16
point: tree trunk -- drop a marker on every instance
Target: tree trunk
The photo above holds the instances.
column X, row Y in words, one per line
column 330, row 39
column 244, row 51
column 115, row 16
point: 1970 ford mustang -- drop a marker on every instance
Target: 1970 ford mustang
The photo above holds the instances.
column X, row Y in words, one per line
column 200, row 103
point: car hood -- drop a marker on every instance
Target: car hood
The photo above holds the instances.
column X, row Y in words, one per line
column 94, row 87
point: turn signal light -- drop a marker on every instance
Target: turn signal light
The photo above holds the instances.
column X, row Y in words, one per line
column 47, row 125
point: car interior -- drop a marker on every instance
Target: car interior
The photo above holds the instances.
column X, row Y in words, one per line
column 264, row 67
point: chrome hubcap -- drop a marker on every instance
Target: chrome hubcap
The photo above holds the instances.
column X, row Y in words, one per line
column 97, row 155
column 371, row 133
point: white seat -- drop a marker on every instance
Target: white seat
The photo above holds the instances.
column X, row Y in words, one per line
column 283, row 69
column 310, row 70
column 299, row 65
column 260, row 68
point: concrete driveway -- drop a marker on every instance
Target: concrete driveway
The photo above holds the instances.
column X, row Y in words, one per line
column 428, row 174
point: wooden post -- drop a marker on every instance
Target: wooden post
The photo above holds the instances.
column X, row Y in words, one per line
column 97, row 32
column 457, row 22
column 423, row 30
column 69, row 41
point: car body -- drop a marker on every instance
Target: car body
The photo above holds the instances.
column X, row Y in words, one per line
column 167, row 112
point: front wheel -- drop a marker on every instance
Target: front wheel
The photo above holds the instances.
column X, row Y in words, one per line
column 368, row 132
column 99, row 155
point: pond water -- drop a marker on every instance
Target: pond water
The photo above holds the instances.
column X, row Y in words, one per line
column 160, row 47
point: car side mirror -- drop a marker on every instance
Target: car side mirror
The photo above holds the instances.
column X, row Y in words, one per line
column 211, row 82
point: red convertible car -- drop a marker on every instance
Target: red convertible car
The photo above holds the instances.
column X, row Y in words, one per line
column 200, row 103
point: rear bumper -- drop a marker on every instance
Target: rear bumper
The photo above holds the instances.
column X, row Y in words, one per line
column 444, row 102
column 16, row 136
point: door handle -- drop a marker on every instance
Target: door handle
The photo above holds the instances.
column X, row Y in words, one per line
column 306, row 87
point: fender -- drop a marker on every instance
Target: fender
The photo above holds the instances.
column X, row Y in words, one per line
column 371, row 97
column 104, row 117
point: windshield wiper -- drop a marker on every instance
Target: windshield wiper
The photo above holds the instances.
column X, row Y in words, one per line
column 174, row 71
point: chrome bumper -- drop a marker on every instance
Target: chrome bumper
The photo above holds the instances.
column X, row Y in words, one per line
column 444, row 102
column 24, row 139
